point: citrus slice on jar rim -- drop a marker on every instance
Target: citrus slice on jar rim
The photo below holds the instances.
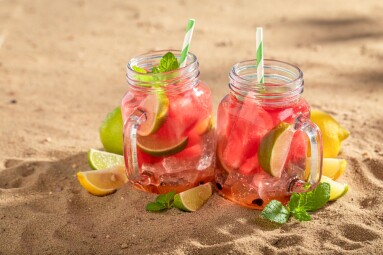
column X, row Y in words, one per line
column 156, row 107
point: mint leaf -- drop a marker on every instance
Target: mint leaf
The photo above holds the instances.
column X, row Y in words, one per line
column 166, row 199
column 301, row 215
column 139, row 69
column 276, row 212
column 168, row 63
column 163, row 201
column 299, row 205
column 156, row 69
column 310, row 201
column 155, row 207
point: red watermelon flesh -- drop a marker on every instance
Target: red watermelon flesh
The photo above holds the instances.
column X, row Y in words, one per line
column 298, row 148
column 250, row 166
column 194, row 151
column 193, row 148
column 246, row 133
column 144, row 158
column 187, row 109
column 227, row 115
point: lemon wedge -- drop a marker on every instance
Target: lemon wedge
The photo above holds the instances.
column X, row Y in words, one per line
column 332, row 133
column 103, row 182
column 332, row 167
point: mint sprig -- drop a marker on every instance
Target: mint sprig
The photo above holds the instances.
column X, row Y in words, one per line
column 163, row 202
column 299, row 206
column 168, row 63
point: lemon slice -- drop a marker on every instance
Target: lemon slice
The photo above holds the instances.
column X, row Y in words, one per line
column 156, row 107
column 103, row 182
column 331, row 167
column 274, row 148
column 337, row 189
column 193, row 199
column 102, row 159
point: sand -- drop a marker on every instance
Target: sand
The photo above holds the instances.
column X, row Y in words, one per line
column 62, row 69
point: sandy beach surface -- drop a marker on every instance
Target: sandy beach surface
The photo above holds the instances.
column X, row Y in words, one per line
column 62, row 69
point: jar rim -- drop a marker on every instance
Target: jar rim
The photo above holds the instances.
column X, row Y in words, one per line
column 252, row 62
column 159, row 54
column 145, row 81
column 282, row 81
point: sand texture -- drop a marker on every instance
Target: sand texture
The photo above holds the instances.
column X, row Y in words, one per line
column 62, row 69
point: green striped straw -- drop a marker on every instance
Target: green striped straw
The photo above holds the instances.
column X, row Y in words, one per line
column 260, row 68
column 186, row 44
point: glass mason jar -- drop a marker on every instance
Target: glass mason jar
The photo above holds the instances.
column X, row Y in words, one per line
column 262, row 132
column 169, row 139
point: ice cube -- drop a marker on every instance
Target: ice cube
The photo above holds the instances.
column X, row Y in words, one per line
column 208, row 148
column 176, row 165
column 272, row 187
column 150, row 173
column 184, row 178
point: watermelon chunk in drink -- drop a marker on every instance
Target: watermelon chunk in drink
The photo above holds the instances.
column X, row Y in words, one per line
column 250, row 166
column 245, row 135
column 193, row 148
column 298, row 148
column 188, row 108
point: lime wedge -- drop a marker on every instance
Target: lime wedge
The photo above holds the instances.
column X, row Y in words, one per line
column 274, row 148
column 337, row 189
column 102, row 159
column 160, row 146
column 193, row 199
column 103, row 182
column 156, row 108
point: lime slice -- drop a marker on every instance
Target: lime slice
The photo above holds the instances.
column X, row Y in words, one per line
column 103, row 182
column 193, row 199
column 160, row 146
column 337, row 189
column 331, row 167
column 156, row 108
column 274, row 147
column 102, row 159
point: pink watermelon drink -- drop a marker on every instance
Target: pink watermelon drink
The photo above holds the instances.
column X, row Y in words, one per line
column 261, row 136
column 169, row 138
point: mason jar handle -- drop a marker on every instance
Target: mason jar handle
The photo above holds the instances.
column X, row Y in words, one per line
column 130, row 143
column 313, row 133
